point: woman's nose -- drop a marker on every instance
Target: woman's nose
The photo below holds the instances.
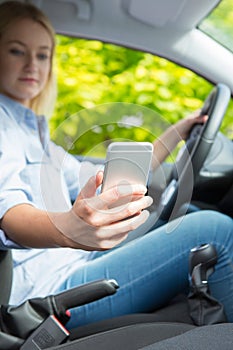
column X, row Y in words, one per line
column 31, row 62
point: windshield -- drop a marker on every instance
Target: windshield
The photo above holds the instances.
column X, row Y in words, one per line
column 219, row 24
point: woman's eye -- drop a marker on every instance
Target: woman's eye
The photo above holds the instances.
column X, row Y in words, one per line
column 16, row 52
column 42, row 56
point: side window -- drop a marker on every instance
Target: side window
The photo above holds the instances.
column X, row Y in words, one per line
column 107, row 92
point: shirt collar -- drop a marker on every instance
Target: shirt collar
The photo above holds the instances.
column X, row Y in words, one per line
column 19, row 112
column 25, row 116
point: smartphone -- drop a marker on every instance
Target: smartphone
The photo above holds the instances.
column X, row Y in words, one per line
column 127, row 163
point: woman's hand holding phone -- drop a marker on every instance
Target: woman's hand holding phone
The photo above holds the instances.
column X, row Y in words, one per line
column 100, row 222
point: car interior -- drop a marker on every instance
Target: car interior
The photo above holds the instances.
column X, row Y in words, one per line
column 178, row 31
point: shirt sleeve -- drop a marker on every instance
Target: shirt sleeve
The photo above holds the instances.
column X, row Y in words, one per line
column 76, row 172
column 6, row 243
column 13, row 190
column 13, row 186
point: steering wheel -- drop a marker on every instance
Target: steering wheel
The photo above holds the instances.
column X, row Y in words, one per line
column 192, row 156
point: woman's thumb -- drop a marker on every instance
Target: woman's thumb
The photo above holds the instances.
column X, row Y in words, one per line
column 89, row 190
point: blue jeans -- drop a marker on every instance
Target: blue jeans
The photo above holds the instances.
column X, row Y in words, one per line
column 152, row 269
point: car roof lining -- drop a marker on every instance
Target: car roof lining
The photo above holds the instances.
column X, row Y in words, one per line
column 184, row 14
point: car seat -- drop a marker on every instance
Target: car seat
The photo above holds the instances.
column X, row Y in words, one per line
column 39, row 323
column 6, row 268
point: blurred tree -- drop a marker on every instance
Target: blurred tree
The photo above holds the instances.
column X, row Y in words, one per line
column 108, row 92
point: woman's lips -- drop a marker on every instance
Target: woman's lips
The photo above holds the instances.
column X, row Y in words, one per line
column 29, row 80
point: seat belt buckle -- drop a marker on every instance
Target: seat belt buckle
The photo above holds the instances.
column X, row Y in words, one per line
column 50, row 333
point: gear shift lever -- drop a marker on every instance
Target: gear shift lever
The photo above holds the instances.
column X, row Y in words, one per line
column 202, row 260
column 204, row 308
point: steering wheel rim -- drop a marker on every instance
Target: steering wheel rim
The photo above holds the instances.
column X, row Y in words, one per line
column 215, row 107
column 197, row 147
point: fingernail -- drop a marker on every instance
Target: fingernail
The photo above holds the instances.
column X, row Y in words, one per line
column 149, row 200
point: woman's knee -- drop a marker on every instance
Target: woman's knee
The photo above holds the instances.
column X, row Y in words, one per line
column 211, row 221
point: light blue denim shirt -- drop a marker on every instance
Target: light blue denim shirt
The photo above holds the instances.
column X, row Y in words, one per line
column 35, row 171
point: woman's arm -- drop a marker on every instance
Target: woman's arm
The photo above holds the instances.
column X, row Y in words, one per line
column 165, row 144
column 93, row 223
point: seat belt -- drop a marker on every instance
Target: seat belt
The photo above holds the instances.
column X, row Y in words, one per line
column 6, row 269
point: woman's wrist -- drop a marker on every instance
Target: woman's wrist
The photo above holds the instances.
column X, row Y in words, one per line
column 164, row 145
column 67, row 227
column 63, row 225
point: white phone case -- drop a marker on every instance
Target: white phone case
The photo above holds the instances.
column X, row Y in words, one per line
column 127, row 163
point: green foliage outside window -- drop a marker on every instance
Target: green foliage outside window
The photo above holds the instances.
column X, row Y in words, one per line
column 102, row 84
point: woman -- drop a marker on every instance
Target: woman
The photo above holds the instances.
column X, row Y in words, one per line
column 38, row 179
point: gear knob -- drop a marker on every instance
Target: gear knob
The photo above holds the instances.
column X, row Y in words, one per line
column 202, row 260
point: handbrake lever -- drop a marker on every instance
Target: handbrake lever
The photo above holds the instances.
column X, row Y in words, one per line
column 84, row 294
column 51, row 331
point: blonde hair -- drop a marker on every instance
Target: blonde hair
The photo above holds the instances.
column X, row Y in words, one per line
column 11, row 11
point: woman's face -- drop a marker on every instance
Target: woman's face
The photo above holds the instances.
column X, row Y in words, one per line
column 25, row 60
